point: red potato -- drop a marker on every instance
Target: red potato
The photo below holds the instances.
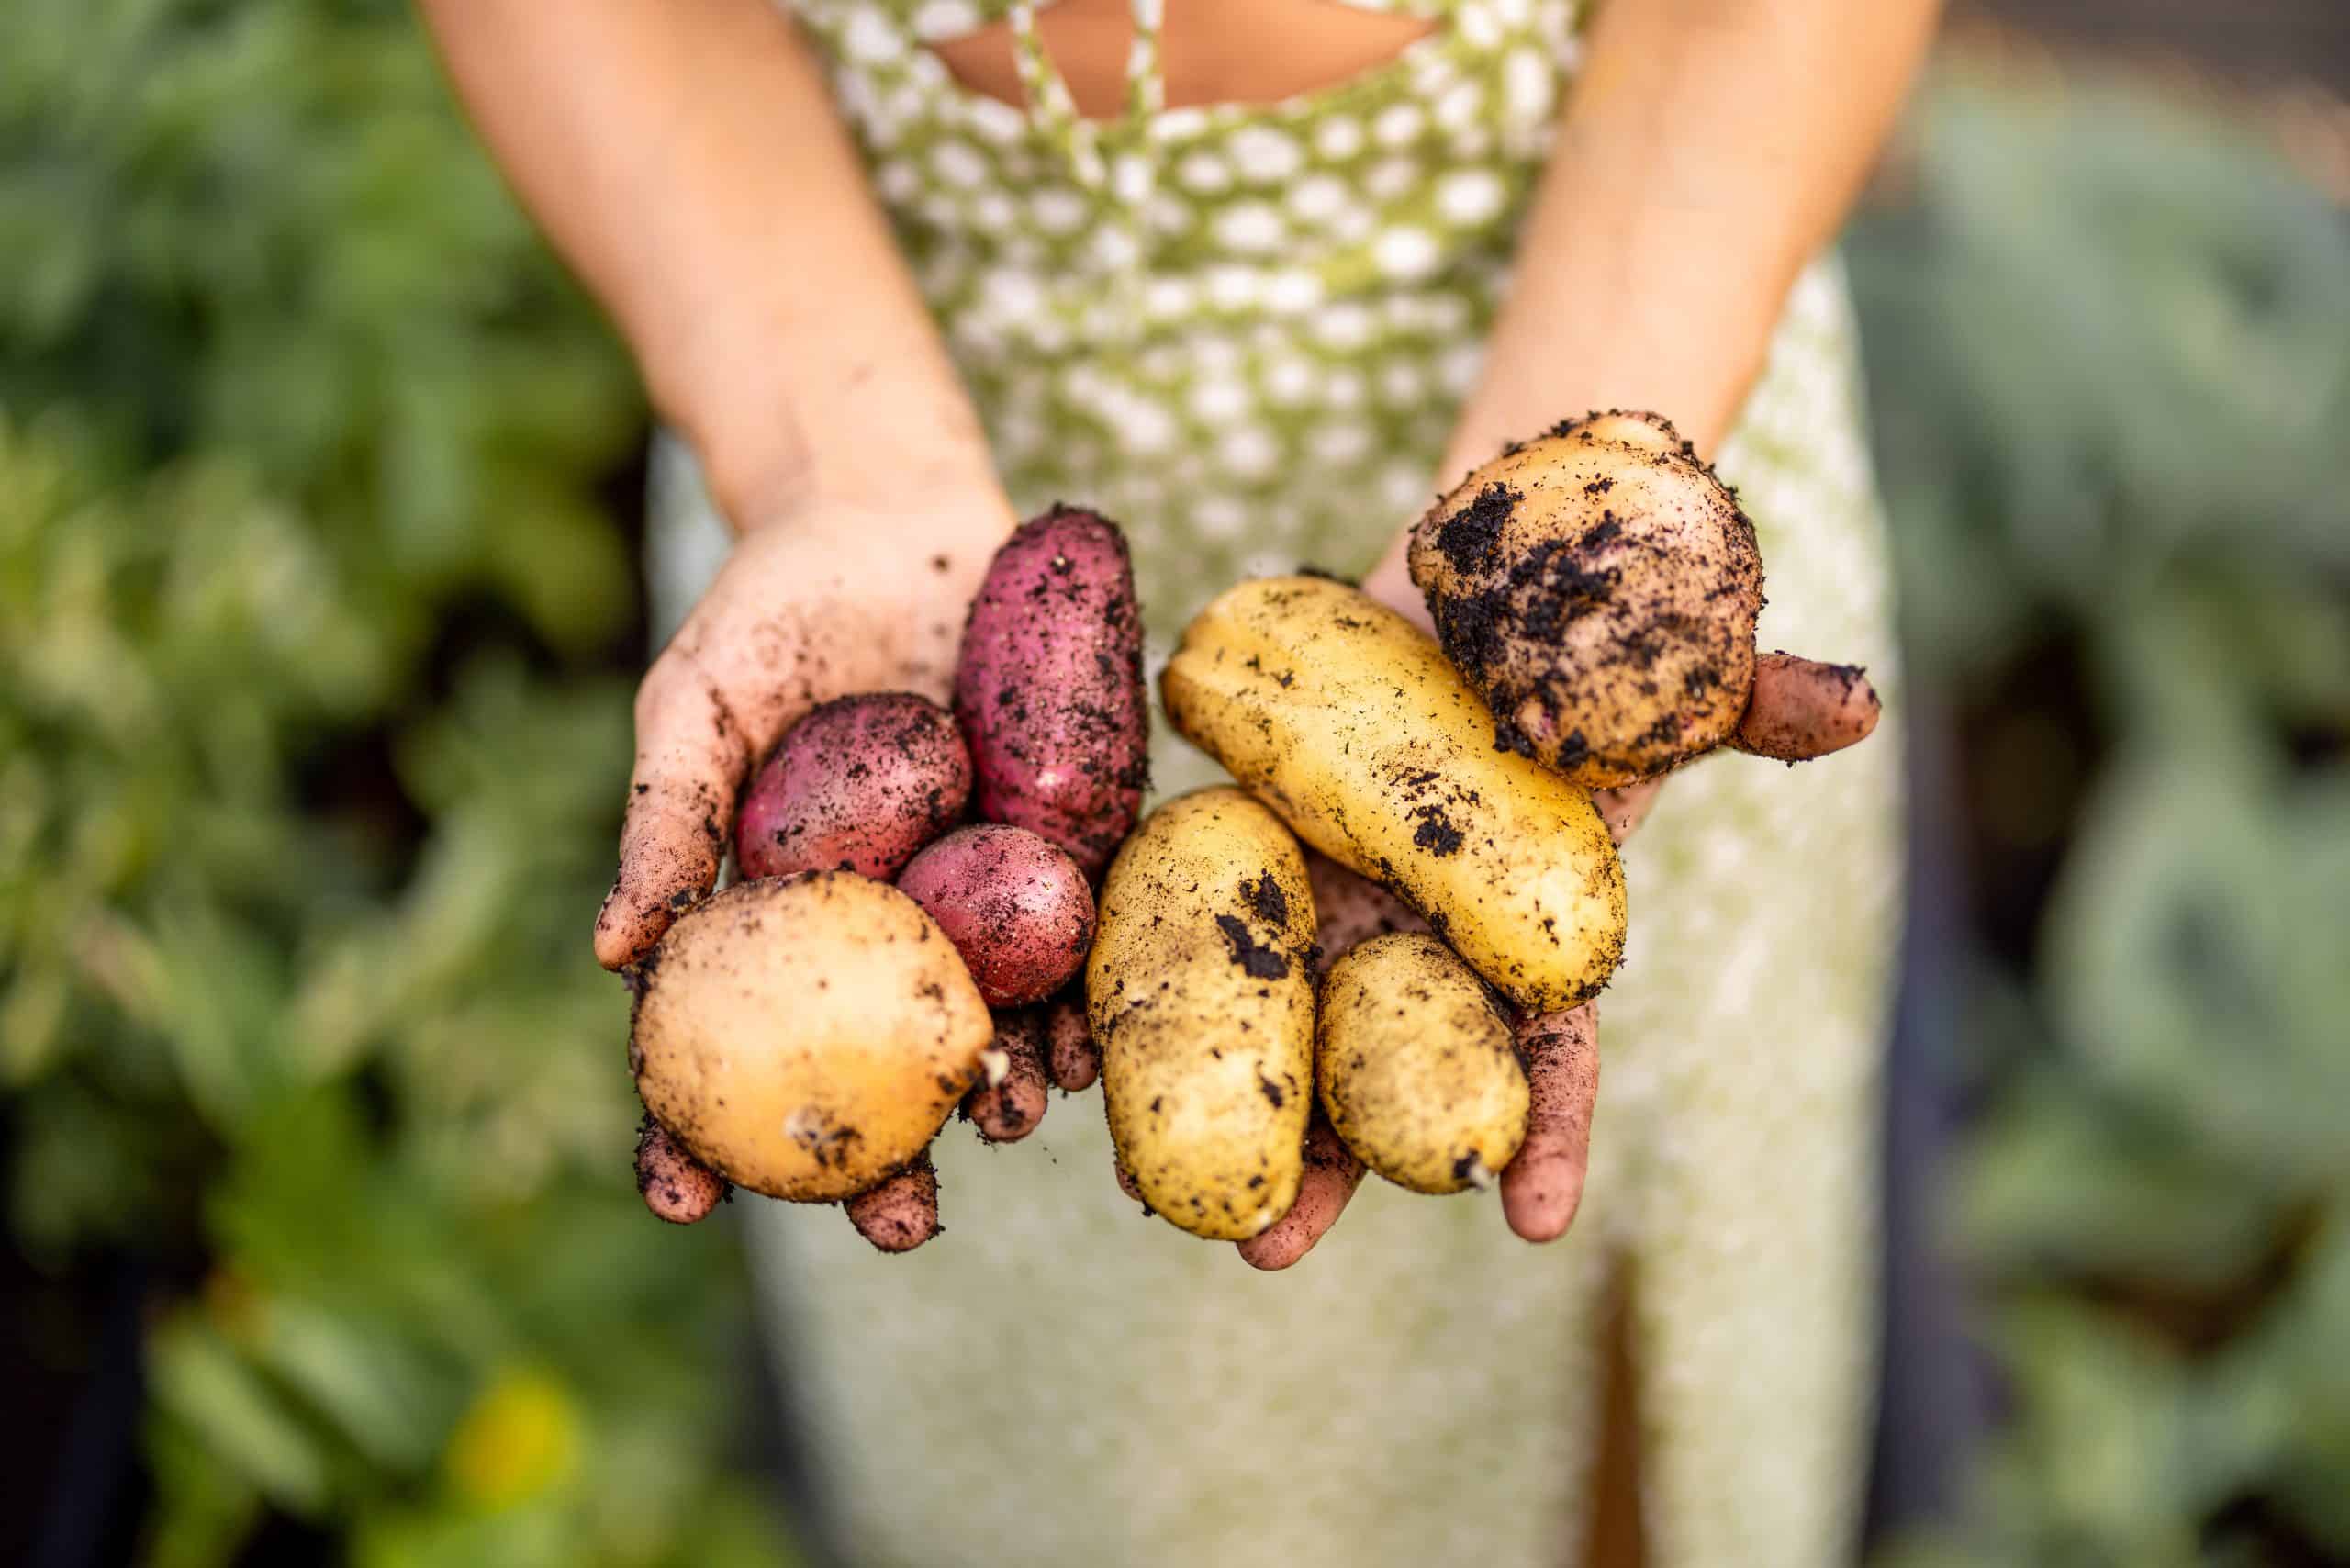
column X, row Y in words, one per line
column 858, row 785
column 1049, row 688
column 1016, row 907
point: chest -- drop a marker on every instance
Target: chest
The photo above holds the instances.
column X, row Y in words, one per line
column 1210, row 51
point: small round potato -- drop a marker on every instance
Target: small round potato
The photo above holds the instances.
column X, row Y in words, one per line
column 858, row 785
column 1598, row 586
column 805, row 1036
column 1416, row 1065
column 1013, row 903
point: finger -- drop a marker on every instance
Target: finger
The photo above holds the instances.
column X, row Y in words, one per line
column 1542, row 1187
column 673, row 1185
column 1332, row 1174
column 903, row 1212
column 1625, row 809
column 1130, row 1187
column 1802, row 708
column 691, row 754
column 1072, row 1059
column 1348, row 909
column 1010, row 1100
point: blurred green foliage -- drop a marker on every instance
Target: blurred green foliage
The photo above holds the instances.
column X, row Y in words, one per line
column 313, row 729
column 2110, row 345
column 313, row 627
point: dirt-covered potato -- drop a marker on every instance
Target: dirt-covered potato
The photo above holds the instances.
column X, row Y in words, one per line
column 858, row 785
column 1346, row 719
column 1598, row 588
column 1013, row 903
column 1200, row 999
column 1049, row 688
column 1415, row 1066
column 805, row 1036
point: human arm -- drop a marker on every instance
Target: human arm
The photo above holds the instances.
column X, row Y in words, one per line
column 687, row 162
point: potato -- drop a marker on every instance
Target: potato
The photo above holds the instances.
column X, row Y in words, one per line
column 1049, row 688
column 858, row 785
column 1415, row 1066
column 805, row 1036
column 1016, row 907
column 1347, row 720
column 1598, row 588
column 1200, row 999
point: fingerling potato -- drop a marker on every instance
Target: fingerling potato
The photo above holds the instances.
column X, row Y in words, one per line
column 1348, row 721
column 1416, row 1067
column 1199, row 998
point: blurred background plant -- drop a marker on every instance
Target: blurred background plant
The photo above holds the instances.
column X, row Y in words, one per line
column 317, row 601
column 318, row 503
column 2109, row 330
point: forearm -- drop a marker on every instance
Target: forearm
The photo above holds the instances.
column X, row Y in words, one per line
column 685, row 158
column 1709, row 150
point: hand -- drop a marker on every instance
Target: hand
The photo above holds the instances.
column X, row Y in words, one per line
column 823, row 599
column 1800, row 709
column 826, row 600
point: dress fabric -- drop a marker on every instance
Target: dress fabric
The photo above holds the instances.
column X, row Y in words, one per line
column 1243, row 330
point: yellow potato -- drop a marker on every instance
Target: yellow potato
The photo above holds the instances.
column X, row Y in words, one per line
column 1598, row 588
column 805, row 1036
column 1347, row 719
column 1199, row 996
column 1416, row 1067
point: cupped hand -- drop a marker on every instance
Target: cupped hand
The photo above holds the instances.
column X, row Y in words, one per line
column 824, row 598
column 1800, row 709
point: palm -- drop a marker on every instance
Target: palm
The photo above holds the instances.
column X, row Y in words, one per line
column 822, row 604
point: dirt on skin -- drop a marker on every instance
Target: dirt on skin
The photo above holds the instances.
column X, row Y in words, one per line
column 903, row 1212
column 673, row 1185
column 1011, row 1108
column 1073, row 1059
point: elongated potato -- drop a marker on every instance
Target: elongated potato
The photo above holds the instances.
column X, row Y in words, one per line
column 1347, row 720
column 1050, row 687
column 1415, row 1067
column 805, row 1036
column 1199, row 996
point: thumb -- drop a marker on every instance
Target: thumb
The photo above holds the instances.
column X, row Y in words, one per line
column 1802, row 708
